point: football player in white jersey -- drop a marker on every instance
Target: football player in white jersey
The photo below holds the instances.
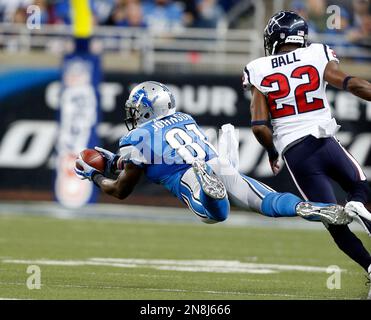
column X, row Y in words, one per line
column 288, row 92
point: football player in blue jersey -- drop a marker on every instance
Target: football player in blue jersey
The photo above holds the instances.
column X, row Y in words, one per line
column 170, row 149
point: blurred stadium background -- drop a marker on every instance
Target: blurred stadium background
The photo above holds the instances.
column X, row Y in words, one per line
column 197, row 47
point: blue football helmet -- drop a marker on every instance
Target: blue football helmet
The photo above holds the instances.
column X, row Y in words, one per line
column 284, row 27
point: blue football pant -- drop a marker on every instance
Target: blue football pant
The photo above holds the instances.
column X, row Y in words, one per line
column 243, row 191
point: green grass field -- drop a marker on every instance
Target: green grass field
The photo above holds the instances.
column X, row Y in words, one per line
column 99, row 244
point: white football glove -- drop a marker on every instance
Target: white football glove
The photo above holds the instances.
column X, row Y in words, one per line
column 111, row 159
column 87, row 172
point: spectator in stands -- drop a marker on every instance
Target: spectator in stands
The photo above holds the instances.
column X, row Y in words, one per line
column 300, row 7
column 128, row 14
column 190, row 15
column 62, row 12
column 44, row 10
column 316, row 11
column 12, row 11
column 361, row 34
column 340, row 43
column 163, row 15
column 159, row 15
column 344, row 23
column 209, row 13
column 117, row 13
column 134, row 16
column 361, row 8
column 228, row 4
column 20, row 16
column 349, row 36
column 102, row 10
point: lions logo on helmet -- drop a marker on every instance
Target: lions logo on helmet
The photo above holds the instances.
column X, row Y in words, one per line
column 141, row 96
column 149, row 100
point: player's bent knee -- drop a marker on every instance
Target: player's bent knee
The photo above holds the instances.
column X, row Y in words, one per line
column 215, row 218
column 208, row 220
column 221, row 212
column 221, row 217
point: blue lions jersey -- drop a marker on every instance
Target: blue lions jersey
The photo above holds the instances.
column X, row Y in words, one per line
column 165, row 148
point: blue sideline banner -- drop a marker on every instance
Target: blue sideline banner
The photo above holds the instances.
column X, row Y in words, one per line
column 79, row 114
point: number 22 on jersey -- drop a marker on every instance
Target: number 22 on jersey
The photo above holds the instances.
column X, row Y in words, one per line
column 300, row 92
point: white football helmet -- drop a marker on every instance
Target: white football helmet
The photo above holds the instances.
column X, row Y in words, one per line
column 147, row 101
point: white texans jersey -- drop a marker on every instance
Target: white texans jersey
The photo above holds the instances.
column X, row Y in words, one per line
column 296, row 92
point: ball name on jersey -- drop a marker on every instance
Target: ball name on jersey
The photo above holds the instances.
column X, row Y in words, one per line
column 284, row 60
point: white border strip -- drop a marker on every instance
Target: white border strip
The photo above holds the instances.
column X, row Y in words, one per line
column 362, row 176
column 296, row 183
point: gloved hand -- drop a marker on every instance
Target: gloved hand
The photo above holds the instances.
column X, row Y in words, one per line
column 87, row 171
column 111, row 160
column 274, row 160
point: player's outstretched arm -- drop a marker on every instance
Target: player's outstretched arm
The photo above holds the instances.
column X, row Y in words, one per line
column 125, row 183
column 337, row 78
column 259, row 123
column 120, row 187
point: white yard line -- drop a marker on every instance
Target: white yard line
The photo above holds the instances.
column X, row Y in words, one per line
column 216, row 266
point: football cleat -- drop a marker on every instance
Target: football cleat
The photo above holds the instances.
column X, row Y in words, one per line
column 359, row 213
column 333, row 214
column 209, row 181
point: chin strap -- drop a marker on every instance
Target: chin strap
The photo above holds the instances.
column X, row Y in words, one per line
column 274, row 47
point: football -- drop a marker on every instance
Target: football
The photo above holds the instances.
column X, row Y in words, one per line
column 93, row 158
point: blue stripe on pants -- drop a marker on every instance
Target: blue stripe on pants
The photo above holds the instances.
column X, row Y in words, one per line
column 205, row 207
